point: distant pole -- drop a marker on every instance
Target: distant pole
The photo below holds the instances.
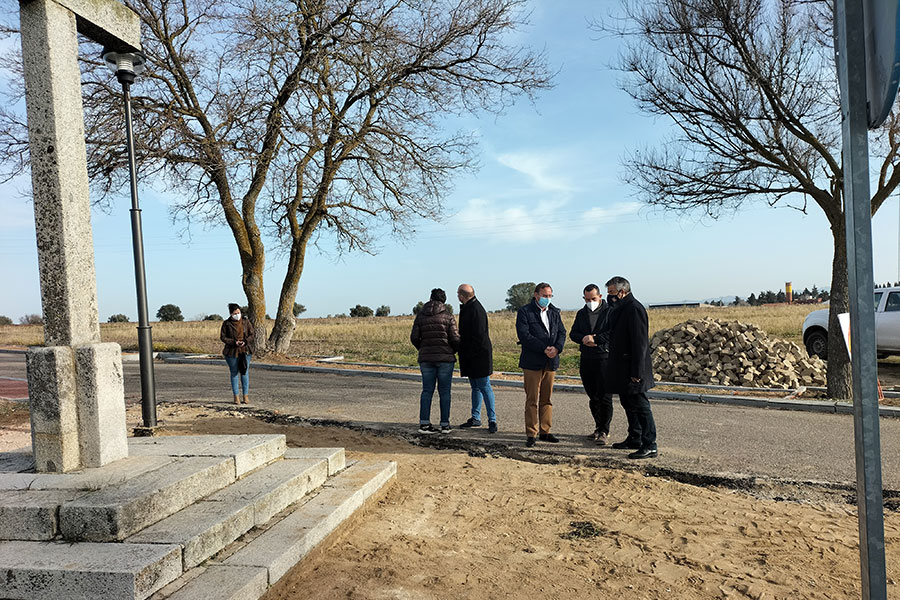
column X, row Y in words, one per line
column 851, row 59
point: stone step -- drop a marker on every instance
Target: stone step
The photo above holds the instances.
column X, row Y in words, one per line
column 207, row 526
column 249, row 451
column 162, row 476
column 116, row 512
column 284, row 543
column 86, row 571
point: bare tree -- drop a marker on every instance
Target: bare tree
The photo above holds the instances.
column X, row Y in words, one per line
column 297, row 119
column 751, row 88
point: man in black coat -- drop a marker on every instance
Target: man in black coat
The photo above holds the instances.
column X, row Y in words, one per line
column 591, row 333
column 476, row 359
column 630, row 367
column 542, row 336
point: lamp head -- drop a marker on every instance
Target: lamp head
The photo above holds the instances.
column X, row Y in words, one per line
column 125, row 64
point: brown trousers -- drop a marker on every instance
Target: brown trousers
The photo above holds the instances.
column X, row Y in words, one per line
column 538, row 407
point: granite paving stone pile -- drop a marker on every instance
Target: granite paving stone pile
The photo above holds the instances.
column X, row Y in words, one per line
column 712, row 351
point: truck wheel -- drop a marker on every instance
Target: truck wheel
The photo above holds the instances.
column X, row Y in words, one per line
column 817, row 344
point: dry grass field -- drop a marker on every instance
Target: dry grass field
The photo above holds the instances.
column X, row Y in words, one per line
column 386, row 339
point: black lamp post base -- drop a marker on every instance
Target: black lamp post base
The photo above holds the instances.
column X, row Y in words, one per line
column 141, row 431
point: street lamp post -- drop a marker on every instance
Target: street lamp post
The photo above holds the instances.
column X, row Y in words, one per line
column 126, row 65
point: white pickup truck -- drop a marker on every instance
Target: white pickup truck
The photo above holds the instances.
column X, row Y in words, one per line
column 887, row 325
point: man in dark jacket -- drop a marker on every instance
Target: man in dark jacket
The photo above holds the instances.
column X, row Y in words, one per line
column 630, row 367
column 476, row 359
column 542, row 337
column 434, row 334
column 590, row 332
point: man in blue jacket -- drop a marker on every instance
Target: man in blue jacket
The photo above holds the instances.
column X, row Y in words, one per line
column 542, row 336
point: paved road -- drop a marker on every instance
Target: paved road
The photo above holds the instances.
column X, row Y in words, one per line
column 707, row 440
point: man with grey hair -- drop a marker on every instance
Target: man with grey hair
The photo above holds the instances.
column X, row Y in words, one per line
column 476, row 360
column 630, row 367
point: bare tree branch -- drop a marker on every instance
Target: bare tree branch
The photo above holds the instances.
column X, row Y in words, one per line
column 300, row 118
column 750, row 87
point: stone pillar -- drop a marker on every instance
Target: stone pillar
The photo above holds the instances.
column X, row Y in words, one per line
column 62, row 211
column 75, row 382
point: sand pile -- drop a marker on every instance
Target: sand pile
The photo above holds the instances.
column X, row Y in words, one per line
column 731, row 353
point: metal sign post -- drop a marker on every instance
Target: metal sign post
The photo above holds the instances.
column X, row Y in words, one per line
column 851, row 51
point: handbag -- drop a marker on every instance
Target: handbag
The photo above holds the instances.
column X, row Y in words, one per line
column 242, row 363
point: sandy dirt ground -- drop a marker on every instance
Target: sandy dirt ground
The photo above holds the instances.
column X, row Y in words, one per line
column 481, row 527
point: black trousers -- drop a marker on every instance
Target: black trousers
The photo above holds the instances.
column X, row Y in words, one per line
column 593, row 378
column 641, row 426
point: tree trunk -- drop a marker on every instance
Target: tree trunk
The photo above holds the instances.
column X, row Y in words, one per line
column 252, row 282
column 285, row 323
column 839, row 373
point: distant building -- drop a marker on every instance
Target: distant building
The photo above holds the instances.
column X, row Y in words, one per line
column 675, row 305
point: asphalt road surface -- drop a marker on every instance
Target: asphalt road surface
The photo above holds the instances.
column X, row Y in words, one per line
column 740, row 444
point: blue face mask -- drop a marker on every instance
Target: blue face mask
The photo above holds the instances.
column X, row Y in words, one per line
column 543, row 302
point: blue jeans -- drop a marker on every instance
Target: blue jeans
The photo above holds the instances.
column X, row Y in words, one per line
column 236, row 375
column 481, row 389
column 440, row 373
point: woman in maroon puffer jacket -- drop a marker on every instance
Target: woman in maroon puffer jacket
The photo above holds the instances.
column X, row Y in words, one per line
column 435, row 335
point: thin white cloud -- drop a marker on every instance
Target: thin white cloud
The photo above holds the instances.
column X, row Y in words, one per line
column 542, row 169
column 540, row 221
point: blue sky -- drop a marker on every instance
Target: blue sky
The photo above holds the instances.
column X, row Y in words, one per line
column 548, row 204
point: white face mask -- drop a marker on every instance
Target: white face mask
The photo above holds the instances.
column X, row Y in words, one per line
column 592, row 305
column 236, row 316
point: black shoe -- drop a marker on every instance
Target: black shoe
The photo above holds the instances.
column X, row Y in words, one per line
column 472, row 422
column 548, row 437
column 644, row 453
column 529, row 443
column 427, row 428
column 492, row 427
column 626, row 445
column 445, row 429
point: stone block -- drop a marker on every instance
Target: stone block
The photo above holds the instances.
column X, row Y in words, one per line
column 16, row 481
column 59, row 173
column 225, row 583
column 16, row 461
column 51, row 389
column 116, row 512
column 86, row 571
column 274, row 488
column 100, row 390
column 31, row 514
column 98, row 478
column 54, row 413
column 335, row 456
column 202, row 529
column 248, row 451
column 107, row 22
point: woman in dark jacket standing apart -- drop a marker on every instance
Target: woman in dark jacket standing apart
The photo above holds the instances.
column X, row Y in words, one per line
column 237, row 335
column 435, row 335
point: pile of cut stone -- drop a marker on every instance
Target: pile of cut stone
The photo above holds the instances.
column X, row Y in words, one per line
column 711, row 351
